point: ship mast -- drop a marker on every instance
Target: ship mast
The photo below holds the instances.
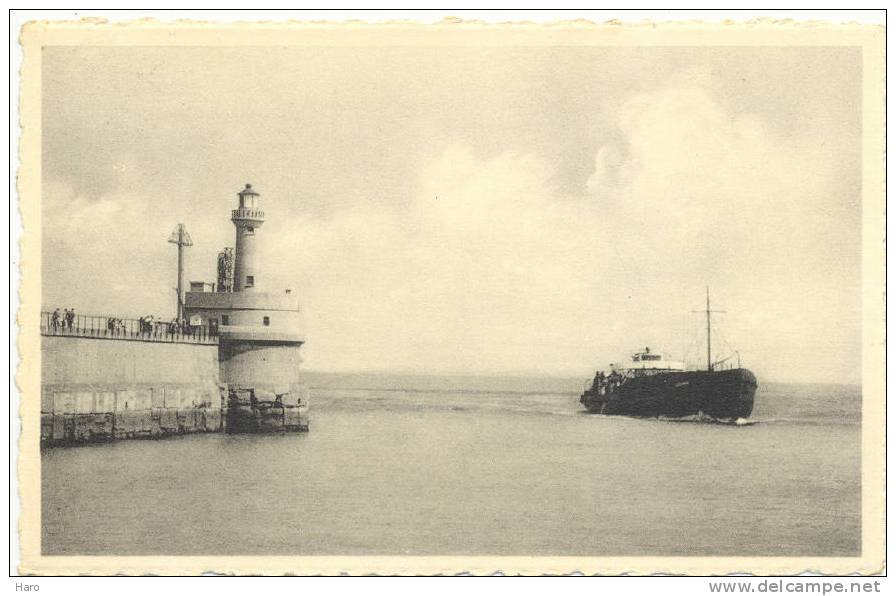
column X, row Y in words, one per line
column 708, row 331
column 708, row 334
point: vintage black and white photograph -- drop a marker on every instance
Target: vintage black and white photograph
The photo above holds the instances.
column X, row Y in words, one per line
column 415, row 291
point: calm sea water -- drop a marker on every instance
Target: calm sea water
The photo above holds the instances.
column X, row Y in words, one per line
column 478, row 466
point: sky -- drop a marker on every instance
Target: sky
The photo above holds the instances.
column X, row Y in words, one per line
column 505, row 210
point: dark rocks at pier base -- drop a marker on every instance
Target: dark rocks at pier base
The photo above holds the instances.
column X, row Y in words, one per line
column 98, row 427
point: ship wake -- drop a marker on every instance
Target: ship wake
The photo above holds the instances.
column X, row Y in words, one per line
column 707, row 419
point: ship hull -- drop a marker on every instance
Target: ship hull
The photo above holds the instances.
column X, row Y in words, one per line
column 726, row 394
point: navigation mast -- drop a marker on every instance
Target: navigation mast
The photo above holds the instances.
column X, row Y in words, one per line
column 708, row 334
column 708, row 311
column 709, row 362
column 182, row 239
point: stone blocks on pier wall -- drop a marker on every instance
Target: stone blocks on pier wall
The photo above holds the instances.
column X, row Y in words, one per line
column 68, row 429
column 98, row 390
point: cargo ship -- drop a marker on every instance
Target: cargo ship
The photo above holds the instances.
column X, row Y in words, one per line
column 654, row 386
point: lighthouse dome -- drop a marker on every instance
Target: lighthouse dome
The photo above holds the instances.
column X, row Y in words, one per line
column 248, row 190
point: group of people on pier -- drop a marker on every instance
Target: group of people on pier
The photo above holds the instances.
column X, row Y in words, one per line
column 115, row 325
column 62, row 321
column 149, row 325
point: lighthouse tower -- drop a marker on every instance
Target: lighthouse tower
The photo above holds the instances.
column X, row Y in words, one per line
column 260, row 333
column 248, row 218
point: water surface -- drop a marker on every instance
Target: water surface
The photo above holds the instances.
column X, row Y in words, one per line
column 474, row 466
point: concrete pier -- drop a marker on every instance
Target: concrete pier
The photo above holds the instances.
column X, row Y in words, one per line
column 100, row 389
column 228, row 362
column 96, row 389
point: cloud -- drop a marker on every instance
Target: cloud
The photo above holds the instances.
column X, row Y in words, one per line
column 710, row 196
column 107, row 252
column 489, row 268
column 481, row 263
column 447, row 281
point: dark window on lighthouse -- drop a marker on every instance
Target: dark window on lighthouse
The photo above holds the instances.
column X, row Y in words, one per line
column 250, row 281
column 225, row 320
column 266, row 321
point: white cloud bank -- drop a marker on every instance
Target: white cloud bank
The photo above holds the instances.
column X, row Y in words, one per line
column 488, row 269
column 485, row 267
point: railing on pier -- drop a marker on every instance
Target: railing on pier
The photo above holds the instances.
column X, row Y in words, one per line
column 245, row 213
column 129, row 329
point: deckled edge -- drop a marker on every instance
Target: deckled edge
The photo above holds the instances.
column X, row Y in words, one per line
column 28, row 178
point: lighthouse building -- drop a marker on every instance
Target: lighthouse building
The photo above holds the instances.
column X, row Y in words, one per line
column 260, row 332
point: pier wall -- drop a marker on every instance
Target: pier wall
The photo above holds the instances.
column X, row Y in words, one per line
column 96, row 389
column 273, row 368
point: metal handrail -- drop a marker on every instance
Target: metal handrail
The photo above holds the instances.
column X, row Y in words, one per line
column 244, row 213
column 102, row 326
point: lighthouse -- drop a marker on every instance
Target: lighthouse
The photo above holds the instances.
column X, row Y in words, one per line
column 260, row 332
column 247, row 219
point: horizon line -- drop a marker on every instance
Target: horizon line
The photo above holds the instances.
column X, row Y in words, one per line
column 519, row 375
